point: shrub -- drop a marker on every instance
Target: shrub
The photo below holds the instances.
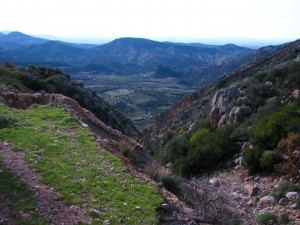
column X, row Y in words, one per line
column 156, row 171
column 175, row 148
column 207, row 148
column 7, row 121
column 269, row 159
column 251, row 159
column 286, row 186
column 271, row 106
column 289, row 144
column 268, row 131
column 264, row 218
column 125, row 148
column 276, row 194
column 172, row 184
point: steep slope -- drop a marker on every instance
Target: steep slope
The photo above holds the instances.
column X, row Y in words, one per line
column 189, row 108
column 54, row 81
column 237, row 143
column 73, row 179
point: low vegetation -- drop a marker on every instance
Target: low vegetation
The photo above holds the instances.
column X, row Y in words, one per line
column 18, row 199
column 64, row 152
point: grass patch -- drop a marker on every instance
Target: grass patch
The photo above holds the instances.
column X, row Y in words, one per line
column 69, row 160
column 18, row 198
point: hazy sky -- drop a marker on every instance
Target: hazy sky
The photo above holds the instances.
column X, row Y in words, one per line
column 156, row 19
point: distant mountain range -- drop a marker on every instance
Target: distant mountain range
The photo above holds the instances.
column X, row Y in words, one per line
column 126, row 56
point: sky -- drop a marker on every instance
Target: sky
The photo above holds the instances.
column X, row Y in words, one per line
column 173, row 20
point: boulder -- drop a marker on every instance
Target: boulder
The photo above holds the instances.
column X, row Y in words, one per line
column 292, row 195
column 214, row 182
column 220, row 103
column 251, row 189
column 267, row 200
column 284, row 201
column 296, row 93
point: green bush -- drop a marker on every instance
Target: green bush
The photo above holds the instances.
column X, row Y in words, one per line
column 7, row 121
column 251, row 159
column 269, row 159
column 207, row 148
column 264, row 218
column 268, row 131
column 286, row 186
column 175, row 148
column 171, row 183
column 276, row 194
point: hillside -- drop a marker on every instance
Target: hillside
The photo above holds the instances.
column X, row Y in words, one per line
column 140, row 77
column 67, row 176
column 49, row 80
column 236, row 141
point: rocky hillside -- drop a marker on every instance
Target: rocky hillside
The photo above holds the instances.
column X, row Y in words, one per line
column 237, row 143
column 190, row 108
column 34, row 79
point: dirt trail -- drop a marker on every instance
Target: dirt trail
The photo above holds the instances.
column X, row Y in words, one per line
column 50, row 206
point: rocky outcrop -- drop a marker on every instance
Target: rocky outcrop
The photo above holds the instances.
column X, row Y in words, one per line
column 221, row 112
column 220, row 103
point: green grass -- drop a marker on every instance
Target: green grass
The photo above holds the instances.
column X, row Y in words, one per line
column 68, row 159
column 19, row 199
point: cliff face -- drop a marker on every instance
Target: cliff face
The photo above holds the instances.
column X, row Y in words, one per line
column 190, row 108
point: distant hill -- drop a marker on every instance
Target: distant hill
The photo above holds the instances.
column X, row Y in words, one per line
column 18, row 39
column 125, row 56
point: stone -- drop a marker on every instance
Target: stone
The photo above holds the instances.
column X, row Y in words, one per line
column 294, row 206
column 97, row 212
column 284, row 201
column 269, row 83
column 249, row 203
column 267, row 200
column 296, row 93
column 168, row 208
column 237, row 114
column 6, row 143
column 25, row 216
column 236, row 196
column 292, row 195
column 251, row 190
column 214, row 182
column 84, row 125
column 238, row 161
column 247, row 145
column 220, row 103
